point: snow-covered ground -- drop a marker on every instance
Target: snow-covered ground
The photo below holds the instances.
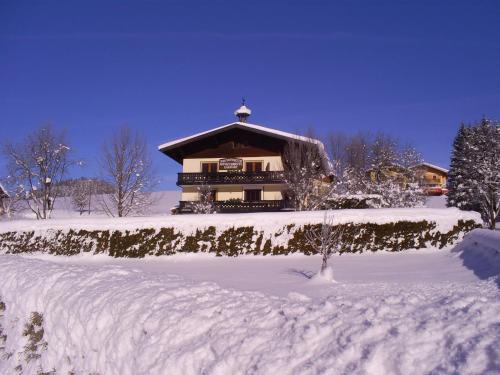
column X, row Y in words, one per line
column 280, row 275
column 417, row 312
column 163, row 201
column 436, row 201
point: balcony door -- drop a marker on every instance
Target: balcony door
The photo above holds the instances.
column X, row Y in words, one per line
column 253, row 166
column 253, row 195
column 209, row 167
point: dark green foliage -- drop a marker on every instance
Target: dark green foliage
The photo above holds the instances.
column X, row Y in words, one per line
column 203, row 241
column 258, row 244
column 235, row 241
column 266, row 250
column 139, row 243
column 459, row 183
column 474, row 176
column 33, row 331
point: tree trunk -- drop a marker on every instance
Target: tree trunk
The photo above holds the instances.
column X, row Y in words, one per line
column 324, row 264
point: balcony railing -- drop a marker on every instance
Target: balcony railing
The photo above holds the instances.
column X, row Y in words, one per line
column 222, row 178
column 239, row 206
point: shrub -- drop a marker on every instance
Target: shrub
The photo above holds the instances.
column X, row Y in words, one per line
column 232, row 241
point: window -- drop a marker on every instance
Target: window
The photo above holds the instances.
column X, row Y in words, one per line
column 252, row 195
column 209, row 167
column 253, row 166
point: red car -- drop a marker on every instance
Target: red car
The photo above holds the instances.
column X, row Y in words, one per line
column 435, row 189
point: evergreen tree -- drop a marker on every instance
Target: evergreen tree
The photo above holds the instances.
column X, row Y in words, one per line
column 474, row 177
column 460, row 190
column 486, row 175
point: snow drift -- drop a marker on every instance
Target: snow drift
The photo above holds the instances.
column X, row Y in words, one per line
column 480, row 252
column 113, row 320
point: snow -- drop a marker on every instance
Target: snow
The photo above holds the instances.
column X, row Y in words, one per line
column 417, row 312
column 445, row 219
column 437, row 167
column 163, row 201
column 436, row 201
column 243, row 110
column 281, row 275
column 323, row 277
column 480, row 251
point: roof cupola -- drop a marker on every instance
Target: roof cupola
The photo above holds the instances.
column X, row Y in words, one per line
column 243, row 112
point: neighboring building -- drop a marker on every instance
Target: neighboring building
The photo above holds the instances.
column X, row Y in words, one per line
column 3, row 197
column 393, row 172
column 240, row 162
column 433, row 178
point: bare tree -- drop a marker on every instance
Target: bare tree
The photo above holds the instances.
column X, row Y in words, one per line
column 396, row 174
column 35, row 166
column 326, row 239
column 375, row 167
column 338, row 152
column 127, row 166
column 357, row 153
column 305, row 168
column 81, row 194
column 383, row 156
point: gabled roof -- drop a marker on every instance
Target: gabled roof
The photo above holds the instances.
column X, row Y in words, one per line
column 259, row 129
column 242, row 125
column 438, row 168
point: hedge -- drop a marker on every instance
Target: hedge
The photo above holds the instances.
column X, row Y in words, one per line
column 234, row 241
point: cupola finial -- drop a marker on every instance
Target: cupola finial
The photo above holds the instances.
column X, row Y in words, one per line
column 243, row 112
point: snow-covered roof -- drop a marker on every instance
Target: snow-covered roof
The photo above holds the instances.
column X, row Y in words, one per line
column 242, row 125
column 252, row 127
column 243, row 110
column 433, row 166
column 3, row 191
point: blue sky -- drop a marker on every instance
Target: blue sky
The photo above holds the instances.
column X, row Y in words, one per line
column 414, row 69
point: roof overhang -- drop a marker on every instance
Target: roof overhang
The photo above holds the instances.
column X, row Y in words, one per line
column 432, row 166
column 242, row 125
column 258, row 129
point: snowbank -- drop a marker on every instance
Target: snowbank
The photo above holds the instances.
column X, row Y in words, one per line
column 480, row 252
column 445, row 219
column 113, row 320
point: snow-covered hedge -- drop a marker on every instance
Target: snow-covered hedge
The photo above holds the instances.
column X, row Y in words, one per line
column 276, row 233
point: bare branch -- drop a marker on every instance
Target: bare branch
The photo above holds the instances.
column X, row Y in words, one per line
column 127, row 166
column 36, row 165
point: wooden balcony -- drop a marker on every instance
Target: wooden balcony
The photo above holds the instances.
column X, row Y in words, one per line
column 236, row 206
column 230, row 178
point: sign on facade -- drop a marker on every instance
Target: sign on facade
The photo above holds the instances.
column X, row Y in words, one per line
column 231, row 164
